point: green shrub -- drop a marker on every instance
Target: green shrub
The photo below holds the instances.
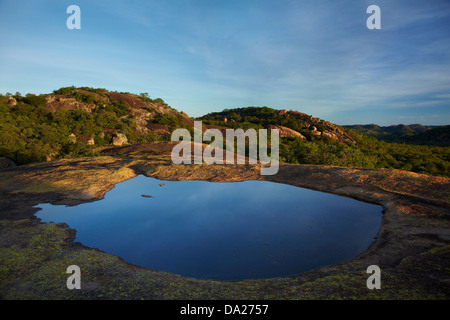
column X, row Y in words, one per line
column 34, row 100
column 64, row 91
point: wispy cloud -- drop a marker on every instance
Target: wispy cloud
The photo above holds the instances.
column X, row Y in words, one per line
column 314, row 56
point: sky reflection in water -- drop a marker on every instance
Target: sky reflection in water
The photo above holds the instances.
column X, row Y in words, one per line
column 226, row 231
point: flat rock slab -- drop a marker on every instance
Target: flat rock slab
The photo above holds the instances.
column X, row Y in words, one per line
column 412, row 248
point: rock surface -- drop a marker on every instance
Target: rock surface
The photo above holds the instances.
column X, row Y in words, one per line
column 73, row 138
column 6, row 163
column 12, row 102
column 86, row 138
column 119, row 140
column 412, row 247
column 287, row 132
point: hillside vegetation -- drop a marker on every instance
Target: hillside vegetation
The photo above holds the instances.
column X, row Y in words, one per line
column 73, row 122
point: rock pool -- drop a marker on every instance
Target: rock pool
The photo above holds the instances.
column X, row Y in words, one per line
column 222, row 231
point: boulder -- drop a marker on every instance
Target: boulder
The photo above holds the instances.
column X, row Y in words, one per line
column 329, row 134
column 50, row 157
column 119, row 139
column 87, row 138
column 72, row 138
column 6, row 163
column 314, row 131
column 12, row 102
column 287, row 132
column 91, row 141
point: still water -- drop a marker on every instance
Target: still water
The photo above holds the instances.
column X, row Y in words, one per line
column 222, row 231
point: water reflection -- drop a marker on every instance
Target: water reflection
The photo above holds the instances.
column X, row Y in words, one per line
column 227, row 231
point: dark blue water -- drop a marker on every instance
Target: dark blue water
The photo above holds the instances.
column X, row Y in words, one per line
column 226, row 231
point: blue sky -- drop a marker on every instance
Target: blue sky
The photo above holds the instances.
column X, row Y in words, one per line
column 200, row 56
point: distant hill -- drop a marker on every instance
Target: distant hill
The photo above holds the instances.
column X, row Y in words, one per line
column 412, row 134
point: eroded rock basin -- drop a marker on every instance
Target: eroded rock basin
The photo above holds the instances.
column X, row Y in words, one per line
column 222, row 230
column 412, row 247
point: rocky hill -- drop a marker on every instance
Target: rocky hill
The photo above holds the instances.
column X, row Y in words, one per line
column 149, row 115
column 81, row 121
column 290, row 123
